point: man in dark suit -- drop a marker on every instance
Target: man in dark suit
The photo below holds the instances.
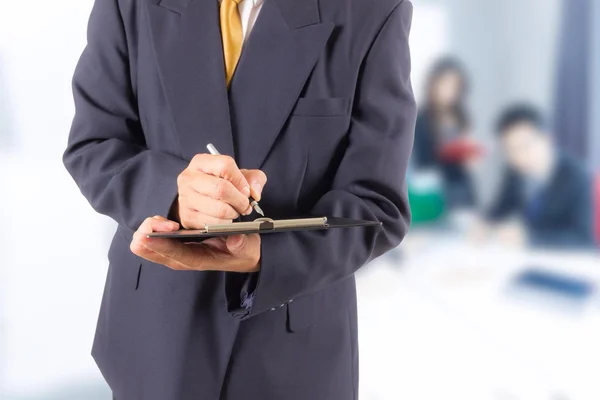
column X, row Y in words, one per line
column 547, row 190
column 321, row 104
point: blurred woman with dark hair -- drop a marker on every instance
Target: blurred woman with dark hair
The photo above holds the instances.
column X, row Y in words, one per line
column 442, row 134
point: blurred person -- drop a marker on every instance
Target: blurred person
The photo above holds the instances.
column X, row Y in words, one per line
column 546, row 196
column 442, row 140
column 328, row 118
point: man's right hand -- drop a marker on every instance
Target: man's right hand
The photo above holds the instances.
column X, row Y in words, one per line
column 213, row 190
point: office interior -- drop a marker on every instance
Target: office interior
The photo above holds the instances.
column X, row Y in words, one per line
column 445, row 316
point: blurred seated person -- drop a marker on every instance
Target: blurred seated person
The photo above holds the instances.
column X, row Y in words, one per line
column 441, row 136
column 546, row 197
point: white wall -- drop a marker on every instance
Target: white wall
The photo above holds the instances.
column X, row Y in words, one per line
column 428, row 41
column 50, row 283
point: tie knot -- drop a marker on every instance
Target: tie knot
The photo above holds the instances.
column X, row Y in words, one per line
column 237, row 2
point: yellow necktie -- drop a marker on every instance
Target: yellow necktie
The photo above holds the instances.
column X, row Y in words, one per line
column 232, row 34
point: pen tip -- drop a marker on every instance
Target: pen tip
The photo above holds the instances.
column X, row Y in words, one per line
column 259, row 210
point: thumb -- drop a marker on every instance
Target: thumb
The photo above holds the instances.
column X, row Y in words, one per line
column 236, row 243
column 257, row 180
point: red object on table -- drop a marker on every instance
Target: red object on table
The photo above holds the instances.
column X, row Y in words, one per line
column 461, row 150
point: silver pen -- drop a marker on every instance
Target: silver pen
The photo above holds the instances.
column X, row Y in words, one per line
column 213, row 150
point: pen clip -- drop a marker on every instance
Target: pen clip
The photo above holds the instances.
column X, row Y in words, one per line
column 266, row 224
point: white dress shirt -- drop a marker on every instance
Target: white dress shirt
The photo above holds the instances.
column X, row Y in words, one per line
column 249, row 10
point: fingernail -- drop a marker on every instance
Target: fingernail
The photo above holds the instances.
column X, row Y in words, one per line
column 246, row 191
column 257, row 187
column 248, row 211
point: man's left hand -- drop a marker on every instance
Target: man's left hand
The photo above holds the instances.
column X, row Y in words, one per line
column 239, row 253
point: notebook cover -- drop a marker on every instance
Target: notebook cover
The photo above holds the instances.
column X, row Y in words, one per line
column 200, row 235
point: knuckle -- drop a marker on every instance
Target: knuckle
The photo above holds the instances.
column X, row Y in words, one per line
column 221, row 188
column 227, row 163
column 197, row 159
column 192, row 220
column 184, row 179
column 223, row 211
column 137, row 248
column 147, row 224
column 228, row 160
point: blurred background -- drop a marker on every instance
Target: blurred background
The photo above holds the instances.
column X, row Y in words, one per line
column 493, row 295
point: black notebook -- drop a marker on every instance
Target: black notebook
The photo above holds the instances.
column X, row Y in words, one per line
column 264, row 226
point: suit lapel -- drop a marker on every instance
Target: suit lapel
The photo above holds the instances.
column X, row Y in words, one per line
column 187, row 44
column 279, row 56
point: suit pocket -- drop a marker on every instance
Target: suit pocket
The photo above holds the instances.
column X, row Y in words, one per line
column 324, row 307
column 326, row 107
column 303, row 312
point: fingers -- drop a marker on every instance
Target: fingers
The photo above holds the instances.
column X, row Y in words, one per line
column 158, row 224
column 192, row 219
column 246, row 249
column 147, row 253
column 214, row 190
column 218, row 189
column 195, row 210
column 235, row 253
column 171, row 253
column 235, row 244
column 244, row 246
column 213, row 208
column 223, row 167
column 257, row 180
column 139, row 244
column 217, row 243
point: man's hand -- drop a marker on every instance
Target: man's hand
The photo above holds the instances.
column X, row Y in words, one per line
column 213, row 190
column 232, row 254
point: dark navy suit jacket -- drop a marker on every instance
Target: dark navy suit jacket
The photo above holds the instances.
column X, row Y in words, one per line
column 321, row 101
column 560, row 214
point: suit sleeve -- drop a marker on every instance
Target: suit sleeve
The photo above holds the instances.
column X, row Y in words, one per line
column 106, row 153
column 369, row 183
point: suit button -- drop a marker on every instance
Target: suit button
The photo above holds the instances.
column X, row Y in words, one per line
column 290, row 300
column 273, row 309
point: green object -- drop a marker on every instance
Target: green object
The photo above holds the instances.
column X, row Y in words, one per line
column 426, row 200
